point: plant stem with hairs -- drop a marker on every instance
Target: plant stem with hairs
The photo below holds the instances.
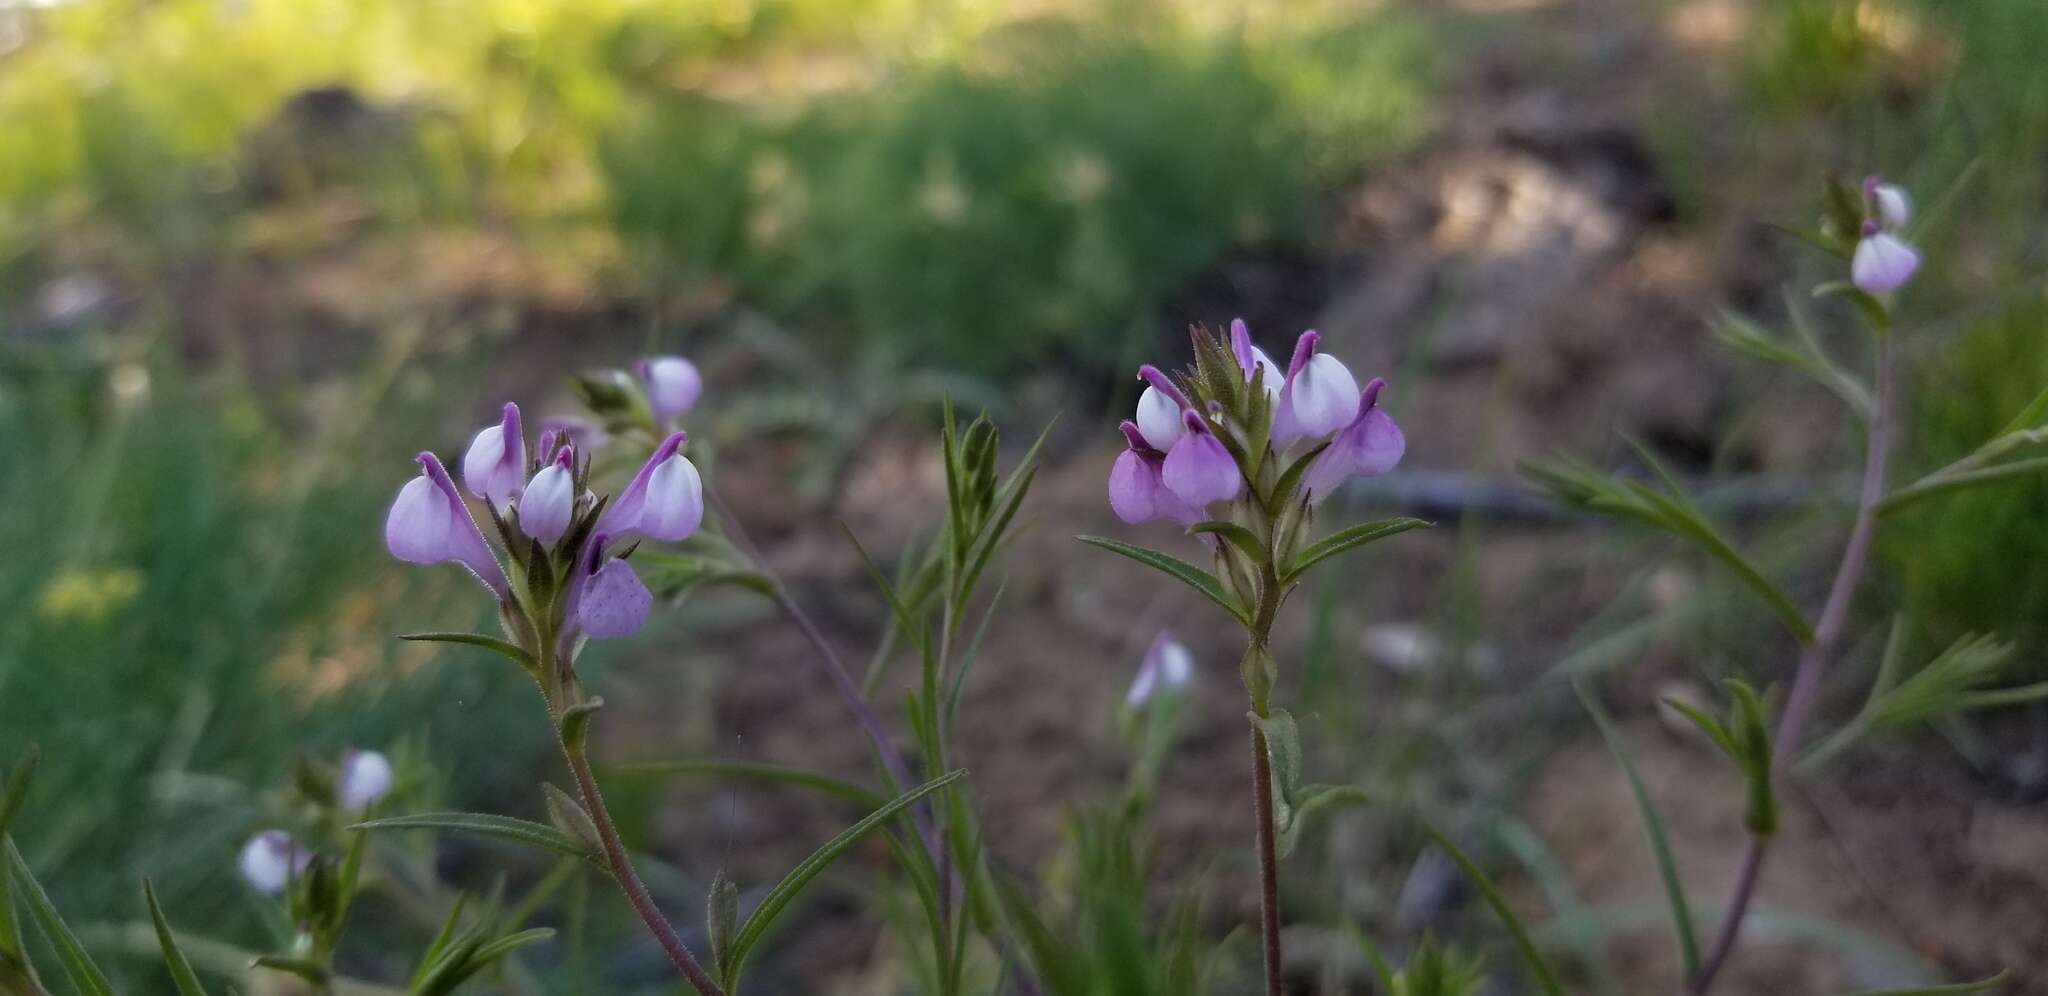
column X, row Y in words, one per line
column 559, row 686
column 1814, row 659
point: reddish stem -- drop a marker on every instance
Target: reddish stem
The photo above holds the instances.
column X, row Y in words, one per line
column 1813, row 661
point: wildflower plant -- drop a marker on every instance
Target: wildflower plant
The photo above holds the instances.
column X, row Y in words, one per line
column 1868, row 230
column 1240, row 453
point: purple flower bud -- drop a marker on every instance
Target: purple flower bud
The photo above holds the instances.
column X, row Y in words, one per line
column 271, row 859
column 673, row 386
column 495, row 465
column 665, row 500
column 614, row 602
column 1320, row 396
column 1894, row 206
column 1159, row 409
column 549, row 502
column 1883, row 262
column 365, row 778
column 1168, row 666
column 1250, row 358
column 1371, row 444
column 429, row 524
column 1199, row 470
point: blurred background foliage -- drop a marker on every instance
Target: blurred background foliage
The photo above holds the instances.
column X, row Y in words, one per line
column 986, row 192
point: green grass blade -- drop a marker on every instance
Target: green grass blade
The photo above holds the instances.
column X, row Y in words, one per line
column 85, row 976
column 1180, row 570
column 1949, row 990
column 1653, row 828
column 786, row 891
column 182, row 975
column 502, row 827
column 1546, row 979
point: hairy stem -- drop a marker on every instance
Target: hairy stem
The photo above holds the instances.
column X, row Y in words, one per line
column 1269, row 861
column 1813, row 661
column 629, row 880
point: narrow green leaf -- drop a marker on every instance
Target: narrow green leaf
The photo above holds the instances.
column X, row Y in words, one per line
column 491, row 951
column 511, row 651
column 442, row 939
column 1238, row 536
column 786, row 891
column 1182, row 571
column 2026, row 417
column 305, row 968
column 1939, row 484
column 1545, row 978
column 1346, row 539
column 182, row 975
column 486, row 824
column 1715, row 730
column 1949, row 990
column 1653, row 828
column 85, row 976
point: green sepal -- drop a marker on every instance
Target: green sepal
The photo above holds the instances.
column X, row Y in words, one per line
column 569, row 816
column 721, row 920
column 1239, row 537
column 575, row 723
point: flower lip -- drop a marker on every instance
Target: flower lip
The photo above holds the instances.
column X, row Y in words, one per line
column 615, row 603
column 1882, row 263
column 429, row 524
column 495, row 465
column 1199, row 470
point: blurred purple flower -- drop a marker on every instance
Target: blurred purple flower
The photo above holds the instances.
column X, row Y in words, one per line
column 365, row 778
column 1893, row 205
column 673, row 386
column 429, row 524
column 1168, row 666
column 271, row 859
column 495, row 465
column 1883, row 262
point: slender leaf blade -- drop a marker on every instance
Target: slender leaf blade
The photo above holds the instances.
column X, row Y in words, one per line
column 180, row 967
column 504, row 648
column 508, row 828
column 786, row 891
column 85, row 976
column 1546, row 979
column 1180, row 570
column 1653, row 828
column 1346, row 539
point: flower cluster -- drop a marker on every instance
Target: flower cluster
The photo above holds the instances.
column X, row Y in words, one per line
column 1201, row 439
column 272, row 860
column 566, row 545
column 1883, row 260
